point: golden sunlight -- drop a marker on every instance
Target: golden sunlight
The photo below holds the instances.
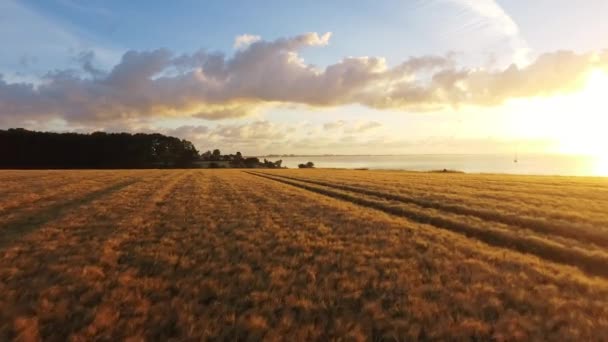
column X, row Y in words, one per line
column 600, row 167
column 576, row 122
column 585, row 133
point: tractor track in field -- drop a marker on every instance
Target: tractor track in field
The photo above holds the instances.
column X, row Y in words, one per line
column 579, row 232
column 591, row 263
column 12, row 230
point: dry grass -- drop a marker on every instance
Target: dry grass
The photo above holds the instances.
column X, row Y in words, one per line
column 301, row 255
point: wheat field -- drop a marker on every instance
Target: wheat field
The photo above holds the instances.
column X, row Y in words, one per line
column 301, row 255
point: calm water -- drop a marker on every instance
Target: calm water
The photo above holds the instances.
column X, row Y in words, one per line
column 526, row 164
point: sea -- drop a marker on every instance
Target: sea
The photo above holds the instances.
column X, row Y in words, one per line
column 528, row 164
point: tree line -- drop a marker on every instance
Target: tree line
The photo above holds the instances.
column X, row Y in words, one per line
column 21, row 148
column 25, row 149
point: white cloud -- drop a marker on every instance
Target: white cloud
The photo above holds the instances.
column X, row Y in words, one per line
column 245, row 40
column 264, row 137
column 257, row 130
column 149, row 84
column 490, row 14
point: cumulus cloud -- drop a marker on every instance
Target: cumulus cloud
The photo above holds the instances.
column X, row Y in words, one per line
column 146, row 84
column 251, row 137
column 189, row 132
column 265, row 137
column 245, row 40
column 257, row 130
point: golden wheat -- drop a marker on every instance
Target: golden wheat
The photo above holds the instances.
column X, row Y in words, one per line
column 301, row 255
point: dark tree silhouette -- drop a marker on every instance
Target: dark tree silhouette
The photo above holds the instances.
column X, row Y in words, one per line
column 216, row 155
column 251, row 162
column 20, row 148
column 308, row 165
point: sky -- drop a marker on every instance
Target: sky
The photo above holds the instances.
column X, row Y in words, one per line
column 314, row 77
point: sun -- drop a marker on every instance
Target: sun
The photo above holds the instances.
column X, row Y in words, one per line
column 586, row 131
column 575, row 123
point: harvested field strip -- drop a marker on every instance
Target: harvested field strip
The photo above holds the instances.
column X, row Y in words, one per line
column 24, row 225
column 586, row 233
column 592, row 263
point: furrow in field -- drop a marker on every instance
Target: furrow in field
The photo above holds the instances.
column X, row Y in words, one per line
column 35, row 182
column 526, row 193
column 74, row 260
column 149, row 206
column 445, row 189
column 27, row 201
column 225, row 255
column 553, row 185
column 176, row 261
column 52, row 192
column 568, row 212
column 393, row 246
column 592, row 263
column 476, row 185
column 580, row 232
column 132, row 260
column 20, row 175
column 544, row 183
column 430, row 230
column 448, row 187
column 533, row 189
column 32, row 221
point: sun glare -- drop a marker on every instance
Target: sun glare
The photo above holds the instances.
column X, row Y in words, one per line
column 600, row 167
column 586, row 131
column 575, row 123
